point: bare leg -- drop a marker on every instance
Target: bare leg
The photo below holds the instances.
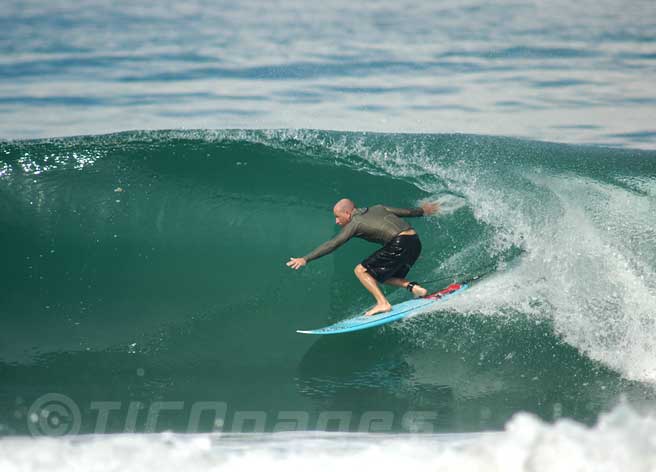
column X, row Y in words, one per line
column 382, row 305
column 417, row 290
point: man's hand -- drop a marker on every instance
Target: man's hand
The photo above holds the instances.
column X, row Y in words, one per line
column 430, row 208
column 296, row 262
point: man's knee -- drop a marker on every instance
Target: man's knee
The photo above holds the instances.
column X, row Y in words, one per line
column 359, row 269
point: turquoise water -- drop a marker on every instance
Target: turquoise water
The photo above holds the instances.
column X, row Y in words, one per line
column 150, row 267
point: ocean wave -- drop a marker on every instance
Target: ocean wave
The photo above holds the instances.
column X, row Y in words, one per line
column 170, row 247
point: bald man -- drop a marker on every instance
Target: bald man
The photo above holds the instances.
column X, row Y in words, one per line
column 389, row 264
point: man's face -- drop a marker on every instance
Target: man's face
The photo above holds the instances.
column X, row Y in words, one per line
column 342, row 217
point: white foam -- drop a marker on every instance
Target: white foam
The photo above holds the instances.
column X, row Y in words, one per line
column 622, row 440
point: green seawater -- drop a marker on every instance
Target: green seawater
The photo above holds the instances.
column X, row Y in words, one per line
column 148, row 267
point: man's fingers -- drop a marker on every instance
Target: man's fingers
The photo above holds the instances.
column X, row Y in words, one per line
column 294, row 263
column 434, row 207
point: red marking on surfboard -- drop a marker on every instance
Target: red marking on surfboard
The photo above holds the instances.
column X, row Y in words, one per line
column 450, row 289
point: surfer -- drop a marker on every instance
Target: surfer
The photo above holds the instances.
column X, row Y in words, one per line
column 389, row 264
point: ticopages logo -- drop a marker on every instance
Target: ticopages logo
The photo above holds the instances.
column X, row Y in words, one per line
column 53, row 414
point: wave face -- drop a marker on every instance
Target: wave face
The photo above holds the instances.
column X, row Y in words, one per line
column 151, row 265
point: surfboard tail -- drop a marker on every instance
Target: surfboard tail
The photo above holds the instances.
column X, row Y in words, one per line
column 445, row 291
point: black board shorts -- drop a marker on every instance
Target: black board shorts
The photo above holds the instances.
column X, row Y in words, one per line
column 394, row 259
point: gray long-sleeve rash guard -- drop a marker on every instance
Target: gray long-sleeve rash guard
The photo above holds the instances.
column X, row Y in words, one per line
column 378, row 224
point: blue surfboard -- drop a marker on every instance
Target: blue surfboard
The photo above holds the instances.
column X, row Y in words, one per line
column 399, row 311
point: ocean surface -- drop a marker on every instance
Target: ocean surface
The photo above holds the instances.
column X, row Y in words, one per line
column 159, row 165
column 577, row 72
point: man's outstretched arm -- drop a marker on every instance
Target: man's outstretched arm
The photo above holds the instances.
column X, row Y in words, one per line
column 326, row 248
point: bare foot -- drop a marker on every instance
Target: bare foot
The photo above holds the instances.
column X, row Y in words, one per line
column 419, row 291
column 378, row 309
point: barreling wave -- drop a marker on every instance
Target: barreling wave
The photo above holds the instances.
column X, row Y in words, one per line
column 173, row 244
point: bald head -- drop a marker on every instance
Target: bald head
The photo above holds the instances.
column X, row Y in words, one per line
column 344, row 205
column 343, row 210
